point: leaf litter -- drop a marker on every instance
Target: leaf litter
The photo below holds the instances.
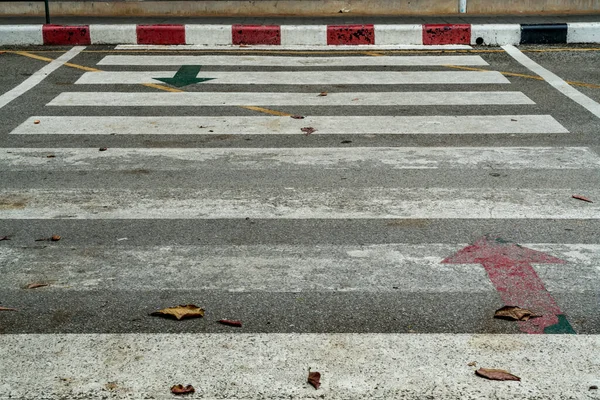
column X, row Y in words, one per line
column 36, row 285
column 7, row 309
column 314, row 378
column 308, row 130
column 53, row 238
column 180, row 389
column 514, row 313
column 496, row 374
column 582, row 198
column 180, row 312
column 230, row 322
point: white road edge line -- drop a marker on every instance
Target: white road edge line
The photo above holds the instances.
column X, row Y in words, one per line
column 38, row 76
column 557, row 82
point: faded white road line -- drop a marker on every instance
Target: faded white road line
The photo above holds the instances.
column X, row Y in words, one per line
column 278, row 61
column 274, row 125
column 282, row 268
column 303, row 77
column 554, row 80
column 298, row 203
column 171, row 159
column 275, row 366
column 195, row 99
column 38, row 76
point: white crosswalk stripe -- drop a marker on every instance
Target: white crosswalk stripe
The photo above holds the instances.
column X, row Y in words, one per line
column 195, row 99
column 303, row 78
column 168, row 159
column 273, row 125
column 275, row 61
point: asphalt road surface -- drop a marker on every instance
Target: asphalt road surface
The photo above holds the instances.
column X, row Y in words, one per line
column 363, row 213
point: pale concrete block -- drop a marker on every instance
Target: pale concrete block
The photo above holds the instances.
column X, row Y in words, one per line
column 113, row 34
column 308, row 35
column 20, row 35
column 496, row 34
column 208, row 35
column 583, row 32
column 398, row 34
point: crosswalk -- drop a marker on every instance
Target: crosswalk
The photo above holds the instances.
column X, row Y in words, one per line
column 282, row 235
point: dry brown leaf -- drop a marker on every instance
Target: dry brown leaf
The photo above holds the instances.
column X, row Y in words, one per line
column 37, row 121
column 7, row 309
column 4, row 238
column 180, row 389
column 308, row 130
column 578, row 197
column 314, row 378
column 180, row 312
column 231, row 322
column 55, row 238
column 36, row 285
column 50, row 156
column 323, row 94
column 497, row 374
column 514, row 313
column 103, row 149
column 297, row 116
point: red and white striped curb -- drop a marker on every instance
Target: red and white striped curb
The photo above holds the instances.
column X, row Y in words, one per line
column 300, row 35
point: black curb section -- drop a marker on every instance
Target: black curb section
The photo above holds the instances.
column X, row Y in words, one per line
column 543, row 33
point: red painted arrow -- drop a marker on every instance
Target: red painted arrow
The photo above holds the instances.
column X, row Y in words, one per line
column 509, row 267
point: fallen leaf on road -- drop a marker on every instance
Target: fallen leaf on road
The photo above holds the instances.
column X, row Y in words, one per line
column 323, row 94
column 575, row 196
column 297, row 116
column 231, row 322
column 472, row 364
column 37, row 121
column 4, row 238
column 50, row 156
column 497, row 374
column 180, row 312
column 103, row 149
column 593, row 387
column 180, row 389
column 53, row 238
column 308, row 130
column 514, row 313
column 314, row 378
column 7, row 309
column 36, row 285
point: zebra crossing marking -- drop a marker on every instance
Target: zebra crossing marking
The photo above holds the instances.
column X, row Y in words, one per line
column 121, row 159
column 304, row 77
column 274, row 125
column 278, row 61
column 300, row 203
column 196, row 99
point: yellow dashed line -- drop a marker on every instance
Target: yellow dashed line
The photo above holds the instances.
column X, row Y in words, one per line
column 150, row 85
column 267, row 111
column 574, row 83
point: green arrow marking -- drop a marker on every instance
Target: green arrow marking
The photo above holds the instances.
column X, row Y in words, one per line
column 185, row 76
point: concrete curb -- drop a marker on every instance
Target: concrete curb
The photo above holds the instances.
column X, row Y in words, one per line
column 308, row 35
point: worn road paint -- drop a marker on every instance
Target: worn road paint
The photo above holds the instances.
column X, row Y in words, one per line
column 509, row 268
column 307, row 77
column 66, row 35
column 290, row 61
column 186, row 75
column 256, row 35
column 350, row 34
column 224, row 99
column 160, row 34
column 274, row 125
column 38, row 76
column 557, row 82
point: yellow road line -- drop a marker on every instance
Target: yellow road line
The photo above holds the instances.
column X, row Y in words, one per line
column 150, row 85
column 267, row 111
column 574, row 83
